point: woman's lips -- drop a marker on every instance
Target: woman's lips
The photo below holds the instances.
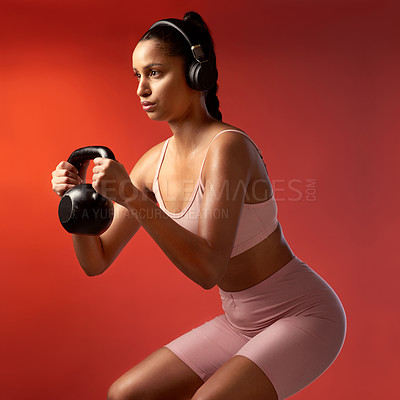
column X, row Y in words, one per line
column 147, row 105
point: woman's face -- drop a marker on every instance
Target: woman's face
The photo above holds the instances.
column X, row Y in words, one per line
column 162, row 88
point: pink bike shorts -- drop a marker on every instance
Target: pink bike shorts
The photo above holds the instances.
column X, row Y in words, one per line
column 292, row 325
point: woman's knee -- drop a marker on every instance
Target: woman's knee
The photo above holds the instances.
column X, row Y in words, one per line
column 114, row 392
column 119, row 390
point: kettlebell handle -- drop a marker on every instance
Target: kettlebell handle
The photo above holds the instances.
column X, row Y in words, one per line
column 78, row 156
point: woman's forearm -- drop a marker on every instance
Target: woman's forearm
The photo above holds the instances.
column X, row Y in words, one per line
column 89, row 251
column 188, row 251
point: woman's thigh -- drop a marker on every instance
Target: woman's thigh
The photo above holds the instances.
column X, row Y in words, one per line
column 238, row 379
column 162, row 375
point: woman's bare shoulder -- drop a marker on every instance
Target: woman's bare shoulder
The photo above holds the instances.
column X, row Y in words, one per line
column 230, row 140
column 231, row 146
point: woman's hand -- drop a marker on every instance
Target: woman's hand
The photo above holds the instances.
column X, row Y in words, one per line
column 112, row 181
column 66, row 176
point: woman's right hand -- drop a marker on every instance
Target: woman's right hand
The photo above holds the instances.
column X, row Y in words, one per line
column 66, row 176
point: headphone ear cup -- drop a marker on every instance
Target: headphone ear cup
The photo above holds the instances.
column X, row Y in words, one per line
column 201, row 76
column 193, row 75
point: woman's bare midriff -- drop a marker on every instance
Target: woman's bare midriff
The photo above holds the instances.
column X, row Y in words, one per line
column 258, row 263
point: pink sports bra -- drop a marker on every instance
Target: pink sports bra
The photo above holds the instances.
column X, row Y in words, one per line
column 257, row 220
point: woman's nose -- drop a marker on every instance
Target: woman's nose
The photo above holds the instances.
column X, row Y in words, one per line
column 143, row 89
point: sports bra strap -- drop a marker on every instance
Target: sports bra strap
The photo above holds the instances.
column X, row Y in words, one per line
column 160, row 161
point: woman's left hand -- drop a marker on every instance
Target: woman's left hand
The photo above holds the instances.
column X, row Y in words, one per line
column 112, row 181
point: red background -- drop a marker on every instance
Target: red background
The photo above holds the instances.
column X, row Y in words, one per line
column 314, row 83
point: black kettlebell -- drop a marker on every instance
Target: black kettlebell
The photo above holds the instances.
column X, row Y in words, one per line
column 82, row 210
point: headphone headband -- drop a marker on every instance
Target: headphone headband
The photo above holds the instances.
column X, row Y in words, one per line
column 201, row 75
column 182, row 27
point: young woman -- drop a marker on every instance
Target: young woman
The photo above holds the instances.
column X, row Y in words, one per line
column 205, row 197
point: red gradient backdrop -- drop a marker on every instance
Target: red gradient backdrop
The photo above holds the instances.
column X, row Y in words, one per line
column 315, row 83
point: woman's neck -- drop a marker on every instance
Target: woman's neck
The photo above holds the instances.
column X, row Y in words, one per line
column 189, row 133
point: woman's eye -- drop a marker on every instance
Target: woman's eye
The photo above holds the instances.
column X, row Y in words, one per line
column 154, row 73
column 137, row 75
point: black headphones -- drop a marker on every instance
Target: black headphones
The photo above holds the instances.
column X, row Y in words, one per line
column 201, row 75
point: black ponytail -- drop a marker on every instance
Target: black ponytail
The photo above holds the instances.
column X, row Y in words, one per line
column 212, row 101
column 176, row 45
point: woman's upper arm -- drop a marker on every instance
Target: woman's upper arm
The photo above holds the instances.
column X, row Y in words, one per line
column 124, row 224
column 227, row 172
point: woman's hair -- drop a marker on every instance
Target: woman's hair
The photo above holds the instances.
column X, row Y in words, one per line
column 177, row 46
